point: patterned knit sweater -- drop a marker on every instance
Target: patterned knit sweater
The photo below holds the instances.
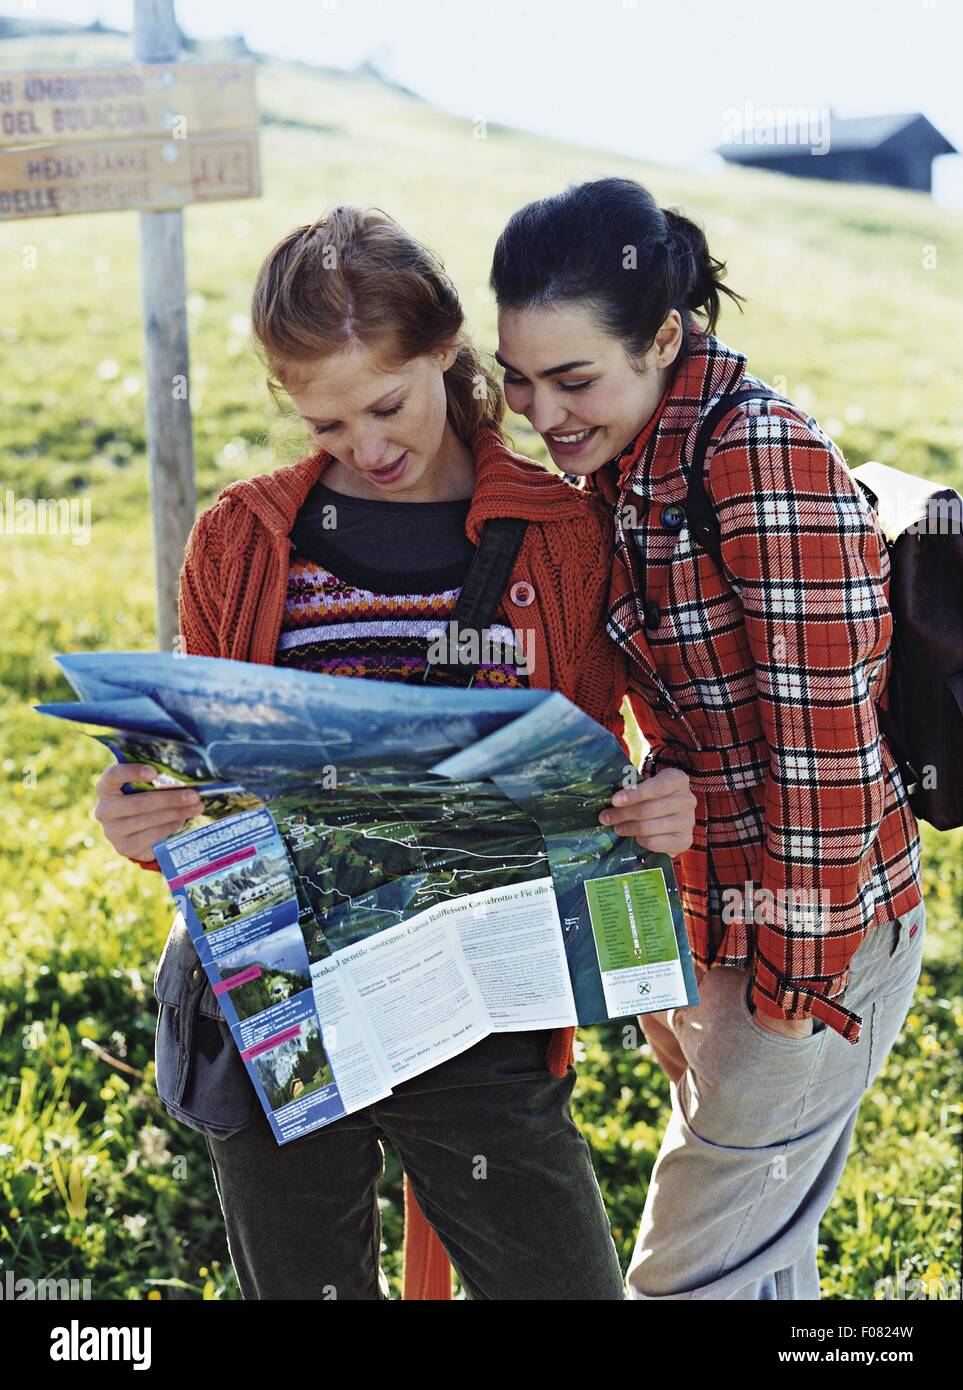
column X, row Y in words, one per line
column 340, row 629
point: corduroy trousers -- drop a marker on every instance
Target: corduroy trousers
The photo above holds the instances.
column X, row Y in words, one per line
column 496, row 1163
column 760, row 1129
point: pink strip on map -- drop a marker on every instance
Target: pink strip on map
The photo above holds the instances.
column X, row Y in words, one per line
column 235, row 981
column 268, row 1043
column 248, row 852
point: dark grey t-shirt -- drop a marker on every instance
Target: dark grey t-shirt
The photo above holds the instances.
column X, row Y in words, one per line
column 389, row 547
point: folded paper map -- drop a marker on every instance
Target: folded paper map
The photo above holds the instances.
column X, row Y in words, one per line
column 385, row 874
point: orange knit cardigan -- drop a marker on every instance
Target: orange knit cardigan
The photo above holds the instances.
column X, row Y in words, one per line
column 233, row 586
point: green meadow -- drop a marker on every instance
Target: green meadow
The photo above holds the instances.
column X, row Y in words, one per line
column 855, row 308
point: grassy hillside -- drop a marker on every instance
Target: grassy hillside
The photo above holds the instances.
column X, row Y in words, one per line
column 855, row 309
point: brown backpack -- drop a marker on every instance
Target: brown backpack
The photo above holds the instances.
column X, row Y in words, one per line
column 923, row 525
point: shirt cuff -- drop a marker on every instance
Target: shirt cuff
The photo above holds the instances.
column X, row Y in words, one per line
column 147, row 864
column 777, row 997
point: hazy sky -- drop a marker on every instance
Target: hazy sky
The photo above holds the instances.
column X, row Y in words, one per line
column 654, row 78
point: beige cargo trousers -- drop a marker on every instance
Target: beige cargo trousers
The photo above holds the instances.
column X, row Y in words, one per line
column 760, row 1128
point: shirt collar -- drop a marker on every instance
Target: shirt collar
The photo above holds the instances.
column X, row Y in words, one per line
column 628, row 459
column 655, row 456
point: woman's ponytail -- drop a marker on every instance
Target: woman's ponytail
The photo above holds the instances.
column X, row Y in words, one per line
column 700, row 274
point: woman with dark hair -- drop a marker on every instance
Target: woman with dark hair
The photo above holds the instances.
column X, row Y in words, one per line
column 360, row 326
column 759, row 642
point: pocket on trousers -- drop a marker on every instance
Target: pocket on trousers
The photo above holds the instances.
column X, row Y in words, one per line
column 499, row 1059
column 201, row 1079
column 514, row 1056
column 767, row 1035
column 890, row 1010
column 743, row 1087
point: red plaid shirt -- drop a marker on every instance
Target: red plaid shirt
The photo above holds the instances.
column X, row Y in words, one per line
column 762, row 686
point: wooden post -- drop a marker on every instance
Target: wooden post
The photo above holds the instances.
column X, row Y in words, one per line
column 153, row 134
column 166, row 366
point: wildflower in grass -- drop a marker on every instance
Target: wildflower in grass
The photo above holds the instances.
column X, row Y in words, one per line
column 34, row 1036
column 153, row 1146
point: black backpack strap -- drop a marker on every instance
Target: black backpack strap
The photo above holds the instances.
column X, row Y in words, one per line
column 481, row 593
column 700, row 514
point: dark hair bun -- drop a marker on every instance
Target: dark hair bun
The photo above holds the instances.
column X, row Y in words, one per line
column 608, row 244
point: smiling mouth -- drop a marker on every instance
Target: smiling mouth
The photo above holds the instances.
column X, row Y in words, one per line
column 572, row 438
column 575, row 442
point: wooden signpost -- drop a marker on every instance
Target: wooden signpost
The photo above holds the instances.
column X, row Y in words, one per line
column 120, row 174
column 118, row 103
column 155, row 135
